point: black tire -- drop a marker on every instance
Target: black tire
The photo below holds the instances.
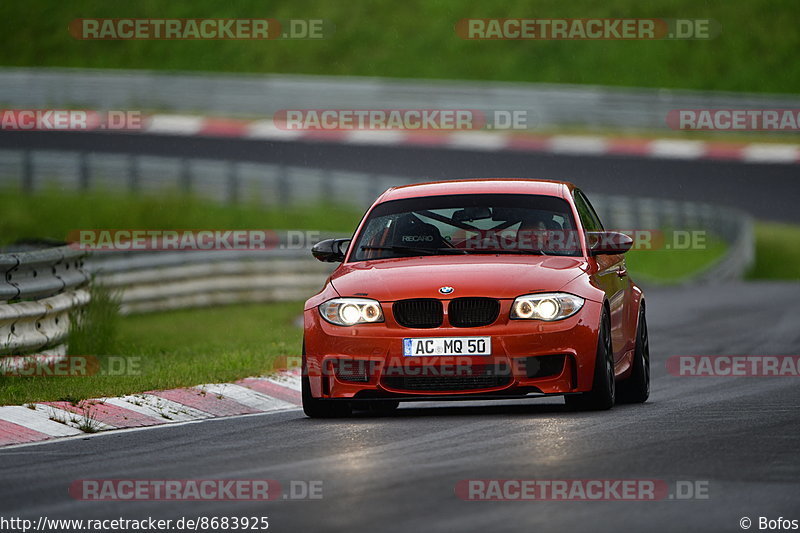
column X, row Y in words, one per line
column 636, row 389
column 602, row 395
column 317, row 407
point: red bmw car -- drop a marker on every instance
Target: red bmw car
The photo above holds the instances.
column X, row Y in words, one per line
column 476, row 289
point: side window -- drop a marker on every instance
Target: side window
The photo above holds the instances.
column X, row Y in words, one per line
column 589, row 218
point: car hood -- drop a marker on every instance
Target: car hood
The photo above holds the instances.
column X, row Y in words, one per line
column 504, row 276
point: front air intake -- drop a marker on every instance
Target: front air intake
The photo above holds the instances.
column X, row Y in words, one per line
column 418, row 313
column 473, row 312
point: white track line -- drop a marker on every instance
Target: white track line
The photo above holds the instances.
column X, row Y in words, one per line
column 771, row 153
column 578, row 144
column 677, row 149
column 375, row 137
column 477, row 140
column 266, row 129
column 175, row 124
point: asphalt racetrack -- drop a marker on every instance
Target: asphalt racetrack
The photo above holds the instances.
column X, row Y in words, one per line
column 739, row 437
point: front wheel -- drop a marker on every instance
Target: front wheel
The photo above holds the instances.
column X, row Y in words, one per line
column 601, row 397
column 317, row 407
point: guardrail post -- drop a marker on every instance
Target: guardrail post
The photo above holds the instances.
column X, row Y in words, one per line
column 27, row 172
column 690, row 215
column 133, row 173
column 669, row 215
column 284, row 191
column 328, row 189
column 648, row 215
column 233, row 182
column 83, row 171
column 186, row 176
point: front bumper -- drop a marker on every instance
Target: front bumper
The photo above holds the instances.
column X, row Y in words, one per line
column 366, row 361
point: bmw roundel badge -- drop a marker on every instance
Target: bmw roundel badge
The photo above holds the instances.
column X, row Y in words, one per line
column 446, row 290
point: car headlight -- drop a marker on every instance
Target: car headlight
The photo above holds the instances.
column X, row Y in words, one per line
column 546, row 306
column 351, row 311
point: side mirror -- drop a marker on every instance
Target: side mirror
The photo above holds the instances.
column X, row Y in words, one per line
column 329, row 250
column 608, row 242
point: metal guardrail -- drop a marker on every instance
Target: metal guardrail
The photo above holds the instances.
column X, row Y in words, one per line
column 40, row 273
column 38, row 291
column 39, row 326
column 547, row 105
column 217, row 180
column 162, row 288
column 733, row 226
column 274, row 185
column 158, row 281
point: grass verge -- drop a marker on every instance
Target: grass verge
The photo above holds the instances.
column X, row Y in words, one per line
column 668, row 266
column 68, row 211
column 174, row 349
column 777, row 251
column 93, row 329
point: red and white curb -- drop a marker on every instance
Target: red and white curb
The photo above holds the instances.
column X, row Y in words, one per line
column 35, row 422
column 481, row 140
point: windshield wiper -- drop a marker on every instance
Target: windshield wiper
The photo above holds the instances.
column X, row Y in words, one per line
column 415, row 250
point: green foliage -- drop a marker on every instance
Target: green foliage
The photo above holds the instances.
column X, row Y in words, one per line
column 777, row 251
column 755, row 51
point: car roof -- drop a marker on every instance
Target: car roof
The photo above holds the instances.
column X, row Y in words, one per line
column 560, row 189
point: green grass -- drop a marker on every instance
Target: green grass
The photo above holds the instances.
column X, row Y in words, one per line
column 777, row 251
column 175, row 349
column 756, row 50
column 93, row 328
column 666, row 266
column 68, row 211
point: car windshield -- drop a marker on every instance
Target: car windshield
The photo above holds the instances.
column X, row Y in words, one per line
column 468, row 224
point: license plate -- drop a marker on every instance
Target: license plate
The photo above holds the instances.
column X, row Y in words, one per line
column 447, row 346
